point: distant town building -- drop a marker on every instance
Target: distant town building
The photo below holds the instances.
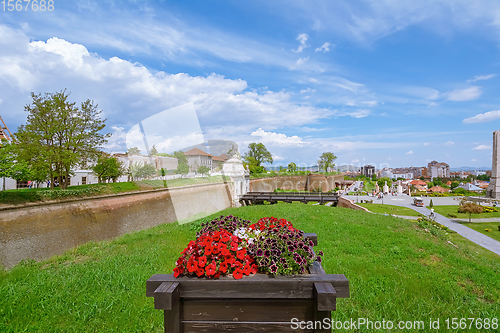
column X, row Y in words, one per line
column 386, row 172
column 460, row 174
column 197, row 157
column 368, row 170
column 435, row 169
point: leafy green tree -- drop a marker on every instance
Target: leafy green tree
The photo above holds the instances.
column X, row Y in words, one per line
column 437, row 181
column 58, row 134
column 148, row 170
column 7, row 160
column 382, row 181
column 203, row 170
column 422, row 178
column 326, row 160
column 108, row 168
column 259, row 153
column 292, row 167
column 374, row 177
column 182, row 163
column 431, row 204
column 430, row 184
column 483, row 177
column 153, row 151
column 454, row 184
column 133, row 151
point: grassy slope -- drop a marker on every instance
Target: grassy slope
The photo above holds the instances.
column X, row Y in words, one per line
column 480, row 227
column 389, row 209
column 396, row 271
column 453, row 209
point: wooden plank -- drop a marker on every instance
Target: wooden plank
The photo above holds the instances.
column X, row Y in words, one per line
column 253, row 286
column 242, row 310
column 167, row 295
column 250, row 327
column 326, row 296
column 172, row 319
column 312, row 236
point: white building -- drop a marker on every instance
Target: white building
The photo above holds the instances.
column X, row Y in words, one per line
column 197, row 158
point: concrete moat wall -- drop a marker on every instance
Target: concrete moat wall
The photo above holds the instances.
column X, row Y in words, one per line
column 40, row 232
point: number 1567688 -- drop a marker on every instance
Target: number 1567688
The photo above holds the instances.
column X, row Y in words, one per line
column 25, row 5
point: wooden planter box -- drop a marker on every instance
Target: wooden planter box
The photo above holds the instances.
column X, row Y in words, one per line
column 255, row 303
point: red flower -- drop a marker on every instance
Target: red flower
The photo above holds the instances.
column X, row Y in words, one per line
column 241, row 254
column 234, row 246
column 223, row 267
column 200, row 271
column 211, row 269
column 238, row 274
column 208, row 250
column 178, row 271
column 202, row 261
column 192, row 265
column 247, row 270
column 225, row 251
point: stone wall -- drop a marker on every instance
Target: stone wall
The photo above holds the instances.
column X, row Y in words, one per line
column 344, row 202
column 39, row 232
column 299, row 183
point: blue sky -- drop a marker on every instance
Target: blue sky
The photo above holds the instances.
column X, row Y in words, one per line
column 388, row 83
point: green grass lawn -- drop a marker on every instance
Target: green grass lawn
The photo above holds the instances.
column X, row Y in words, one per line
column 396, row 271
column 389, row 209
column 481, row 227
column 453, row 209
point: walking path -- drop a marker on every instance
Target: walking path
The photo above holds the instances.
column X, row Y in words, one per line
column 472, row 235
column 490, row 219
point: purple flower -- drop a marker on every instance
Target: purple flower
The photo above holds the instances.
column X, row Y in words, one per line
column 318, row 259
column 273, row 269
column 259, row 253
column 311, row 243
column 320, row 253
column 283, row 261
column 267, row 253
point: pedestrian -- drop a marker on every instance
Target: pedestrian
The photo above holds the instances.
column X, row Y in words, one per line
column 29, row 183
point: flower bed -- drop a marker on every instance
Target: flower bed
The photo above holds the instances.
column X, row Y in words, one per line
column 239, row 276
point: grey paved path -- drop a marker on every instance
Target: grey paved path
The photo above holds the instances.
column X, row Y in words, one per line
column 472, row 235
column 473, row 220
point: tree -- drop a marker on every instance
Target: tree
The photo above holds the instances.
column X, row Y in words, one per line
column 203, row 170
column 153, row 151
column 422, row 178
column 382, row 181
column 471, row 208
column 7, row 160
column 108, row 168
column 58, row 135
column 454, row 184
column 182, row 163
column 437, row 181
column 133, row 151
column 326, row 161
column 292, row 167
column 431, row 204
column 374, row 177
column 259, row 153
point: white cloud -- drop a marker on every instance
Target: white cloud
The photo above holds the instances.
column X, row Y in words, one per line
column 325, row 48
column 473, row 160
column 481, row 147
column 449, row 143
column 129, row 92
column 307, row 90
column 361, row 113
column 277, row 138
column 426, row 143
column 302, row 38
column 483, row 117
column 467, row 94
column 481, row 77
column 355, row 161
column 277, row 158
column 409, row 153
